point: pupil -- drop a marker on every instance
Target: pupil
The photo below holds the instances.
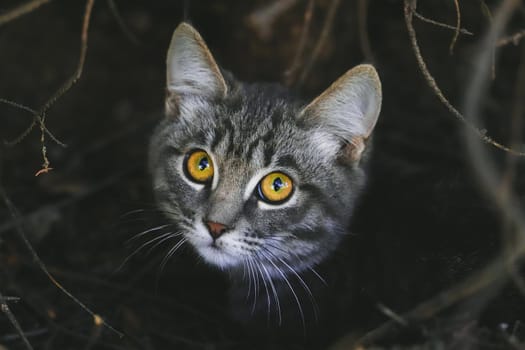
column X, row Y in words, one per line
column 203, row 163
column 277, row 184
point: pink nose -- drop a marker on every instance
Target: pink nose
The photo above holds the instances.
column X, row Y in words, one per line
column 215, row 228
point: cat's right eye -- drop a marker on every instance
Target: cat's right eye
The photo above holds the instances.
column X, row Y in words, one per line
column 275, row 188
column 198, row 166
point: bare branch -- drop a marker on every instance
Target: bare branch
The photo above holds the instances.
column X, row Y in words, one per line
column 12, row 319
column 120, row 21
column 21, row 10
column 327, row 28
column 80, row 66
column 458, row 26
column 362, row 19
column 440, row 24
column 19, row 229
column 262, row 20
column 290, row 73
column 40, row 116
column 31, row 126
column 497, row 272
column 408, row 10
column 514, row 39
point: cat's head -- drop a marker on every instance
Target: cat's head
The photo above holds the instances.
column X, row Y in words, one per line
column 252, row 175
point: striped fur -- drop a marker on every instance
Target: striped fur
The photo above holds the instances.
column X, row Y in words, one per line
column 250, row 130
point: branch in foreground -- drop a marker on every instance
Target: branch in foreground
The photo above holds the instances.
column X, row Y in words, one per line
column 12, row 319
column 409, row 6
column 40, row 116
column 21, row 10
column 97, row 319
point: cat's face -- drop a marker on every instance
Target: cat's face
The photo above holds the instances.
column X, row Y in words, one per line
column 251, row 175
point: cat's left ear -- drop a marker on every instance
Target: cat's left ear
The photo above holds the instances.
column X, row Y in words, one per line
column 345, row 114
column 191, row 69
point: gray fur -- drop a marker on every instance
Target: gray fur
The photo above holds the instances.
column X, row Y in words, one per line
column 252, row 130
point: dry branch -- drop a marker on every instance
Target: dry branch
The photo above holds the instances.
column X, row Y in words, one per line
column 486, row 169
column 263, row 19
column 21, row 10
column 12, row 319
column 439, row 24
column 20, row 230
column 291, row 73
column 120, row 21
column 40, row 116
column 514, row 39
column 493, row 276
column 458, row 26
column 364, row 40
column 409, row 6
column 325, row 31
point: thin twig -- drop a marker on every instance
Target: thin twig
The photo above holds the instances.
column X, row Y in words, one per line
column 485, row 9
column 325, row 32
column 458, row 26
column 291, row 73
column 469, row 287
column 409, row 5
column 364, row 40
column 514, row 39
column 497, row 271
column 263, row 19
column 40, row 116
column 440, row 24
column 486, row 170
column 36, row 118
column 19, row 229
column 392, row 314
column 509, row 174
column 12, row 319
column 80, row 67
column 120, row 21
column 21, row 10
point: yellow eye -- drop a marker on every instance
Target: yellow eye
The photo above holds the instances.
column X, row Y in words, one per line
column 198, row 166
column 275, row 188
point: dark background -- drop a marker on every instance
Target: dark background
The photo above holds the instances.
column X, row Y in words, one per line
column 423, row 225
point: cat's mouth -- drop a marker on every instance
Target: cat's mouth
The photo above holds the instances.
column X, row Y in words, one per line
column 213, row 251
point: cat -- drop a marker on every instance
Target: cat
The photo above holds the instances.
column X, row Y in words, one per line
column 261, row 183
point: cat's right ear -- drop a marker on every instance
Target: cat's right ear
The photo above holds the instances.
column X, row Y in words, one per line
column 191, row 70
column 345, row 114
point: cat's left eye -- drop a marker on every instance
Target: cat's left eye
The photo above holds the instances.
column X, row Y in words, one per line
column 275, row 188
column 198, row 166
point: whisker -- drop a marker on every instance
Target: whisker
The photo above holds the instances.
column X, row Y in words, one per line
column 247, row 272
column 145, row 232
column 170, row 236
column 261, row 267
column 291, row 253
column 255, row 278
column 132, row 212
column 283, row 275
column 318, row 276
column 135, row 252
column 170, row 253
column 301, row 281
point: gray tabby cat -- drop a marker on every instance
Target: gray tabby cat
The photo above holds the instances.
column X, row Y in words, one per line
column 259, row 182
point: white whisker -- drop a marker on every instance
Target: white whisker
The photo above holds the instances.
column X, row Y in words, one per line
column 136, row 251
column 171, row 252
column 302, row 282
column 261, row 267
column 147, row 231
column 283, row 275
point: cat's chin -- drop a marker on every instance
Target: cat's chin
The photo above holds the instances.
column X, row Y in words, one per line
column 217, row 257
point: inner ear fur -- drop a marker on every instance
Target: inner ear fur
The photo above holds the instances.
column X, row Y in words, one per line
column 191, row 70
column 348, row 110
